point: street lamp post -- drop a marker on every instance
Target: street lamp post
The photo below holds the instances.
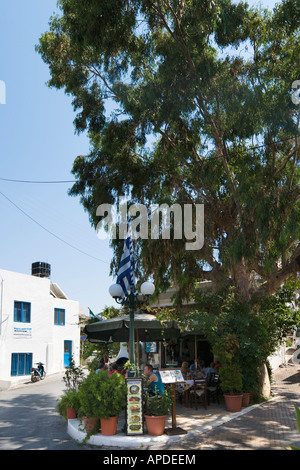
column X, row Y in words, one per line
column 116, row 291
column 131, row 325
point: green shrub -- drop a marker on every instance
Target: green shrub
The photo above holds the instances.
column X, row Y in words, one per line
column 102, row 395
column 231, row 379
column 70, row 399
column 157, row 405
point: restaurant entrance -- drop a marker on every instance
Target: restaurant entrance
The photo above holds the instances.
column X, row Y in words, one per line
column 182, row 350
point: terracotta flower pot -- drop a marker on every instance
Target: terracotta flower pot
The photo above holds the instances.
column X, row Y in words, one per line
column 71, row 413
column 155, row 424
column 246, row 399
column 109, row 426
column 90, row 424
column 233, row 403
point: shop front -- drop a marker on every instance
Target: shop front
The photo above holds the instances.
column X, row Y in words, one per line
column 178, row 350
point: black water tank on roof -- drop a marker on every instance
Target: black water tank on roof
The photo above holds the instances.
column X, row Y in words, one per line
column 40, row 269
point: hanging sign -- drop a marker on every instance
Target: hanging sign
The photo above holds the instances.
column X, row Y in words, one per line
column 134, row 406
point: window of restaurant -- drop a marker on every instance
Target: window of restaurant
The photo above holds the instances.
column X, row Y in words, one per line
column 180, row 350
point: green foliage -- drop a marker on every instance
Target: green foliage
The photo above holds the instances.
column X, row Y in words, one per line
column 102, row 395
column 231, row 379
column 246, row 334
column 73, row 375
column 201, row 113
column 69, row 399
column 157, row 405
column 101, row 350
column 298, row 424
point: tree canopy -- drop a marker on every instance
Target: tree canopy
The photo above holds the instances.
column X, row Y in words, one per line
column 189, row 102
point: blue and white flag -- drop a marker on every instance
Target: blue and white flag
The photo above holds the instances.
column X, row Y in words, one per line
column 126, row 277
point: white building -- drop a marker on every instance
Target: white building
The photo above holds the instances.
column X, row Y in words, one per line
column 38, row 323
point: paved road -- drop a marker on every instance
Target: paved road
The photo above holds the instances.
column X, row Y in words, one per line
column 270, row 426
column 29, row 420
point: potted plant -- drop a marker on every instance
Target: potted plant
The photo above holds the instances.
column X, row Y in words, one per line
column 103, row 397
column 88, row 404
column 73, row 375
column 156, row 408
column 69, row 404
column 232, row 386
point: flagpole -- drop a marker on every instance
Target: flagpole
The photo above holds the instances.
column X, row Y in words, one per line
column 124, row 290
column 131, row 325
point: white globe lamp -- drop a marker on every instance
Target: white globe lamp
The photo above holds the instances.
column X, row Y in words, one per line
column 116, row 291
column 147, row 288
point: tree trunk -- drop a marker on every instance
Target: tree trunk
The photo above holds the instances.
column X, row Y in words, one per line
column 265, row 385
column 242, row 280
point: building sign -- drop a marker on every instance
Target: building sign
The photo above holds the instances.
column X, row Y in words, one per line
column 151, row 347
column 134, row 407
column 22, row 332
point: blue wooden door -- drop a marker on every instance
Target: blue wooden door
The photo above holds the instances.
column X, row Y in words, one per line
column 67, row 353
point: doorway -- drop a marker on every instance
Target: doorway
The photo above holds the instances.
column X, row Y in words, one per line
column 67, row 353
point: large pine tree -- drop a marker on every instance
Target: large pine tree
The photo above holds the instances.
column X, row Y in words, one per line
column 202, row 113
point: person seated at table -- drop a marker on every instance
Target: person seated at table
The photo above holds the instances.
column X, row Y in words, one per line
column 154, row 381
column 185, row 370
column 114, row 368
column 210, row 370
column 101, row 366
column 199, row 373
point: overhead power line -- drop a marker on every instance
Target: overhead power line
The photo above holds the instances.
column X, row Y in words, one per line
column 51, row 233
column 96, row 179
column 37, row 182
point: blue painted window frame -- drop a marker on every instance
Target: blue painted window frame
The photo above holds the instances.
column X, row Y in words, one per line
column 22, row 314
column 59, row 316
column 21, row 364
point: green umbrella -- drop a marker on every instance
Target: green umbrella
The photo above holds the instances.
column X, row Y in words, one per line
column 148, row 327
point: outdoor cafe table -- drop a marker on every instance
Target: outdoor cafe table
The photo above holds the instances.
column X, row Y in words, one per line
column 175, row 430
column 187, row 385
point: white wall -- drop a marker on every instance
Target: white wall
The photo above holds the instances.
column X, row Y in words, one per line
column 42, row 338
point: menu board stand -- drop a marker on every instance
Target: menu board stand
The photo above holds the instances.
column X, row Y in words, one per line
column 173, row 377
column 134, row 416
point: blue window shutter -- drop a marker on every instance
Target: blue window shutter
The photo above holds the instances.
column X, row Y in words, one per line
column 28, row 364
column 21, row 370
column 14, row 364
column 18, row 311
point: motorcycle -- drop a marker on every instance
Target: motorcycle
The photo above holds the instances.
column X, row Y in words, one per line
column 38, row 373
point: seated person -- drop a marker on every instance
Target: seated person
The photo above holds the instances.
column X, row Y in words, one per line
column 200, row 373
column 114, row 368
column 154, row 381
column 210, row 370
column 185, row 370
column 101, row 366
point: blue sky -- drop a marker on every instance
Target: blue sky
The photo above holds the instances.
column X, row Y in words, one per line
column 37, row 142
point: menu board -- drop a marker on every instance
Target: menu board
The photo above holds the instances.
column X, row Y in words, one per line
column 134, row 406
column 169, row 376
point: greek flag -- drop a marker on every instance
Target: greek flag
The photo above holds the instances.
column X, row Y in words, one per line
column 126, row 277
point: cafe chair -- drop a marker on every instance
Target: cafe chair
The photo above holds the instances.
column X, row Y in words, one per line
column 179, row 392
column 198, row 393
column 213, row 388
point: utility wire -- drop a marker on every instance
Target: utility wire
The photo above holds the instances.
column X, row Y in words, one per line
column 96, row 179
column 51, row 233
column 37, row 182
